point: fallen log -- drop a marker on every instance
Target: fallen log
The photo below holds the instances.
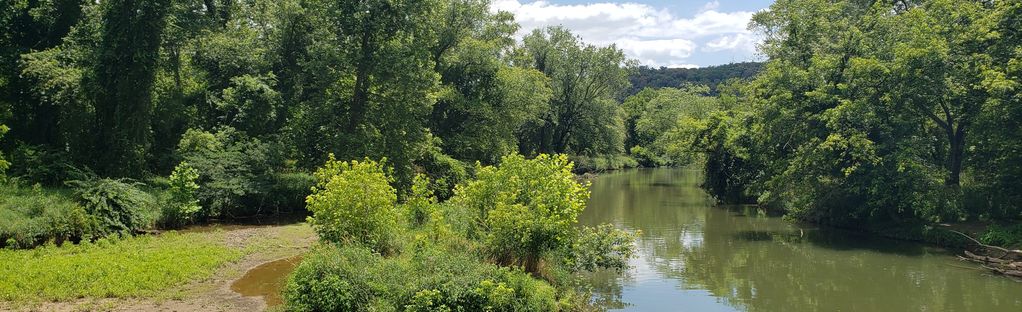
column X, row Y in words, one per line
column 986, row 259
column 1005, row 264
column 1011, row 254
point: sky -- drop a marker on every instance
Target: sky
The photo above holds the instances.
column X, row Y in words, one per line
column 678, row 33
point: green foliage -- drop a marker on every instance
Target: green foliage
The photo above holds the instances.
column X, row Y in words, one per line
column 600, row 163
column 867, row 113
column 445, row 171
column 484, row 103
column 999, row 235
column 353, row 203
column 421, row 204
column 118, row 268
column 996, row 142
column 250, row 104
column 116, row 206
column 4, row 164
column 355, row 279
column 649, row 77
column 600, row 247
column 664, row 123
column 238, row 174
column 41, row 164
column 584, row 116
column 121, row 83
column 524, row 207
column 184, row 204
column 289, row 191
column 33, row 216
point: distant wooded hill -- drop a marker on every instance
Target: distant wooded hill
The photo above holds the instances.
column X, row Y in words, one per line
column 673, row 77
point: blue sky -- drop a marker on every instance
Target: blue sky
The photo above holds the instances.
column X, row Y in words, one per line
column 681, row 33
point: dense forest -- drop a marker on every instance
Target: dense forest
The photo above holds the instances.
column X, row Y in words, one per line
column 871, row 112
column 436, row 153
column 397, row 126
column 663, row 77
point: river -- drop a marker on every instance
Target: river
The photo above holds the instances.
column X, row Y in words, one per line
column 694, row 256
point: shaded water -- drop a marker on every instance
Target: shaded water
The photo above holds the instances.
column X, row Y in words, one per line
column 266, row 280
column 696, row 257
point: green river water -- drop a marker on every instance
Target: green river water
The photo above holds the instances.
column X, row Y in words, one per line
column 693, row 256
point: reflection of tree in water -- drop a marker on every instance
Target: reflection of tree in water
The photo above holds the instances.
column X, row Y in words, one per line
column 757, row 263
column 607, row 288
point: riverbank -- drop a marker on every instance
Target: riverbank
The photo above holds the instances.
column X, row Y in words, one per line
column 131, row 274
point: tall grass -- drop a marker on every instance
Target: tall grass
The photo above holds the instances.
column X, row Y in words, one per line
column 31, row 216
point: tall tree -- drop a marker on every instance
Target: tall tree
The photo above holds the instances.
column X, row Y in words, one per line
column 376, row 72
column 123, row 79
column 938, row 63
column 26, row 26
column 484, row 101
column 584, row 116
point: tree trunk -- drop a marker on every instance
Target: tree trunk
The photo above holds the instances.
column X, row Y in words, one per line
column 360, row 96
column 957, row 153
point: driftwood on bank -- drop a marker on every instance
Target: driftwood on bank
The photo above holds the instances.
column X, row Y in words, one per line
column 996, row 259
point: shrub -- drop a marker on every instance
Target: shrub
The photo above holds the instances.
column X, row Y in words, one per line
column 356, row 279
column 421, row 204
column 353, row 202
column 600, row 247
column 32, row 216
column 236, row 173
column 998, row 235
column 44, row 165
column 524, row 207
column 4, row 164
column 290, row 190
column 184, row 204
column 602, row 163
column 445, row 171
column 117, row 206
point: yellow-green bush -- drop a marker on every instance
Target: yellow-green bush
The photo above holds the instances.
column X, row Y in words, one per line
column 353, row 202
column 525, row 207
column 356, row 279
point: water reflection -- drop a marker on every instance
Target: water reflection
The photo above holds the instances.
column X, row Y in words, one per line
column 701, row 258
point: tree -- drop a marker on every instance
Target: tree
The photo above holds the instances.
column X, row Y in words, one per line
column 27, row 26
column 379, row 88
column 661, row 123
column 995, row 147
column 939, row 63
column 125, row 69
column 584, row 116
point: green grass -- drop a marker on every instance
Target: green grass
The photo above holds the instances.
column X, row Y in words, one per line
column 131, row 267
column 31, row 216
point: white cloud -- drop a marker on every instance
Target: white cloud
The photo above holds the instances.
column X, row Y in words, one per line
column 740, row 41
column 651, row 35
column 710, row 6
